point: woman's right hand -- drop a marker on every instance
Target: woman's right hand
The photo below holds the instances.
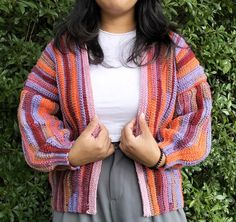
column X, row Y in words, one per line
column 87, row 148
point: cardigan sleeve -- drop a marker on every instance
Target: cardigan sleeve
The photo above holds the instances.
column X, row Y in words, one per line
column 186, row 140
column 45, row 140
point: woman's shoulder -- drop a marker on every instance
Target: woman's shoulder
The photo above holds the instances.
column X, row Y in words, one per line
column 178, row 40
column 59, row 45
column 183, row 50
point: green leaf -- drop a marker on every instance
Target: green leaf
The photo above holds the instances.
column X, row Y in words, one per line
column 226, row 65
column 220, row 197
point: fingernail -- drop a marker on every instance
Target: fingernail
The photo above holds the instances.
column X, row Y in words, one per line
column 142, row 116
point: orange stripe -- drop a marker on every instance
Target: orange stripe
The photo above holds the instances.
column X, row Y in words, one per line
column 169, row 133
column 33, row 158
column 75, row 97
column 67, row 189
column 192, row 153
column 45, row 106
column 62, row 86
column 188, row 67
column 151, row 103
column 51, row 122
column 164, row 69
column 46, row 68
column 151, row 184
column 181, row 54
column 152, row 115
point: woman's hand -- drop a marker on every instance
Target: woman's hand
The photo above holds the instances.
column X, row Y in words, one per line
column 143, row 148
column 87, row 148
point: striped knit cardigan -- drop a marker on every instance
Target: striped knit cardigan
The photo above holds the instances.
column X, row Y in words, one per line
column 56, row 104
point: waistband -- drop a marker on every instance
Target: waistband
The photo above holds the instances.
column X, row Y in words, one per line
column 116, row 144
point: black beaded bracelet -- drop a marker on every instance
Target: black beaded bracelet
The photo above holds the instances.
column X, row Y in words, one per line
column 158, row 162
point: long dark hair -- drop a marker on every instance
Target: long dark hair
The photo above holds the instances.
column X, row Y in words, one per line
column 81, row 28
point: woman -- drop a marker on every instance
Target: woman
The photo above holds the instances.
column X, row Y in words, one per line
column 116, row 105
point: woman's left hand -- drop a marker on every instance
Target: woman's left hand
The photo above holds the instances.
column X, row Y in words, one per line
column 143, row 148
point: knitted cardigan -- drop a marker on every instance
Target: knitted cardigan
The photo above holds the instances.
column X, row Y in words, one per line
column 56, row 104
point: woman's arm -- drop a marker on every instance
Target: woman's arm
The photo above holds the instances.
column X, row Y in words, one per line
column 187, row 138
column 45, row 141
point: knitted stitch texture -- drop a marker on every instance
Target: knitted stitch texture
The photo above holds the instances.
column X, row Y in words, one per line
column 56, row 104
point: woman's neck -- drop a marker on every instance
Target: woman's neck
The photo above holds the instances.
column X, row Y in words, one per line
column 118, row 23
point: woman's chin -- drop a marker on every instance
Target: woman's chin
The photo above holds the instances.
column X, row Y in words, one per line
column 116, row 7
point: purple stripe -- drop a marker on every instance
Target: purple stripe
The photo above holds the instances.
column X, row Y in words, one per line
column 191, row 79
column 181, row 44
column 50, row 52
column 36, row 100
column 52, row 141
column 178, row 190
column 41, row 90
column 43, row 75
column 72, row 203
column 41, row 80
column 28, row 132
column 197, row 130
column 80, row 87
column 169, row 188
column 35, row 106
column 178, row 135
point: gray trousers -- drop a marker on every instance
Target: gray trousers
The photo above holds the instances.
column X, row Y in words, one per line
column 118, row 196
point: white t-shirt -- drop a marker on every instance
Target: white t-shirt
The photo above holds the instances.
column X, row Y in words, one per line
column 115, row 90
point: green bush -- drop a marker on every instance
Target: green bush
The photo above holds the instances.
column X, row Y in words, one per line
column 210, row 28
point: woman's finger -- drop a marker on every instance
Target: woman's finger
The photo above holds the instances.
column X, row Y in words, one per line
column 143, row 124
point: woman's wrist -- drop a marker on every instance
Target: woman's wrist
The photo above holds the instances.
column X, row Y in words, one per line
column 71, row 159
column 161, row 160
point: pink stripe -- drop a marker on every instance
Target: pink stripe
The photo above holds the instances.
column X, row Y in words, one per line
column 96, row 170
column 144, row 88
column 154, row 79
column 174, row 188
column 143, row 94
column 143, row 188
column 93, row 187
column 80, row 193
column 88, row 86
column 140, row 172
column 165, row 192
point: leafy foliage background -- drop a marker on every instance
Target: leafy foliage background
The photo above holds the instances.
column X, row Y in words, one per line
column 209, row 27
